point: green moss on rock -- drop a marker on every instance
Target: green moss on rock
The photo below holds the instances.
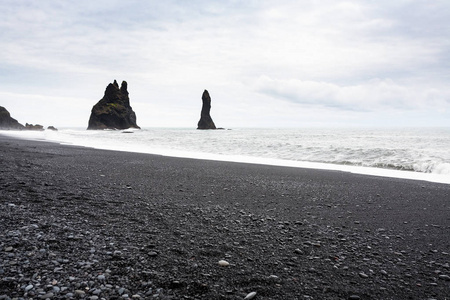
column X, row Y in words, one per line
column 113, row 111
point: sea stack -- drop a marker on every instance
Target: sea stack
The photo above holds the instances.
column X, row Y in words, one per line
column 206, row 121
column 113, row 111
column 35, row 127
column 7, row 122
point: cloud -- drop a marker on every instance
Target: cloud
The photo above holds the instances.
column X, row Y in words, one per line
column 353, row 56
column 374, row 95
column 302, row 39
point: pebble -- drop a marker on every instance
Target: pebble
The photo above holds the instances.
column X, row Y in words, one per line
column 223, row 263
column 363, row 275
column 28, row 287
column 444, row 277
column 250, row 296
column 48, row 295
column 354, row 297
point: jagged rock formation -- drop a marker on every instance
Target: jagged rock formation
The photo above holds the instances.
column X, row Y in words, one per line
column 113, row 111
column 206, row 121
column 52, row 128
column 7, row 122
column 36, row 127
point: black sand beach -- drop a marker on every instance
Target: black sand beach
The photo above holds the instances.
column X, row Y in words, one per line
column 90, row 224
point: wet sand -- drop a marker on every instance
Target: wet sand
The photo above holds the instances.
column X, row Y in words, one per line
column 92, row 224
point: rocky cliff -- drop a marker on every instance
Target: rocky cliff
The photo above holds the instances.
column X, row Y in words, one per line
column 7, row 122
column 206, row 121
column 113, row 111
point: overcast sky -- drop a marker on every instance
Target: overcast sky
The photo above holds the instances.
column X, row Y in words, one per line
column 265, row 63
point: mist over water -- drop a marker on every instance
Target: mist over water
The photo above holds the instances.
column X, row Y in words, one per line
column 403, row 153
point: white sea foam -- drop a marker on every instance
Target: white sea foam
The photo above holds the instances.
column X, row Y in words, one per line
column 420, row 154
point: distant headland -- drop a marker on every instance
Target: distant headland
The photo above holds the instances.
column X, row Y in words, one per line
column 9, row 123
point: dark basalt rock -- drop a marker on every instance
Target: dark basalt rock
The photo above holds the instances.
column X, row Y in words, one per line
column 36, row 127
column 206, row 121
column 7, row 122
column 52, row 128
column 113, row 111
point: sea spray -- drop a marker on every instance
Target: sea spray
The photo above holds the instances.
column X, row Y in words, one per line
column 404, row 153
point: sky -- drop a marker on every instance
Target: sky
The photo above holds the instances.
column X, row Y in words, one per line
column 280, row 63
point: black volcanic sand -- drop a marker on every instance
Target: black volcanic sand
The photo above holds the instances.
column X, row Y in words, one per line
column 90, row 224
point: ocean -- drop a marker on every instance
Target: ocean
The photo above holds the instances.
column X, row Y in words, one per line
column 413, row 153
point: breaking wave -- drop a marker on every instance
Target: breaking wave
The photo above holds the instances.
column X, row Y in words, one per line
column 423, row 151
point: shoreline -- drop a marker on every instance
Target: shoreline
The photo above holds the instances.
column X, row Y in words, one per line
column 81, row 223
column 362, row 170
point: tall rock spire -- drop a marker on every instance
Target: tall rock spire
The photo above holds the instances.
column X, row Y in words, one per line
column 206, row 121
